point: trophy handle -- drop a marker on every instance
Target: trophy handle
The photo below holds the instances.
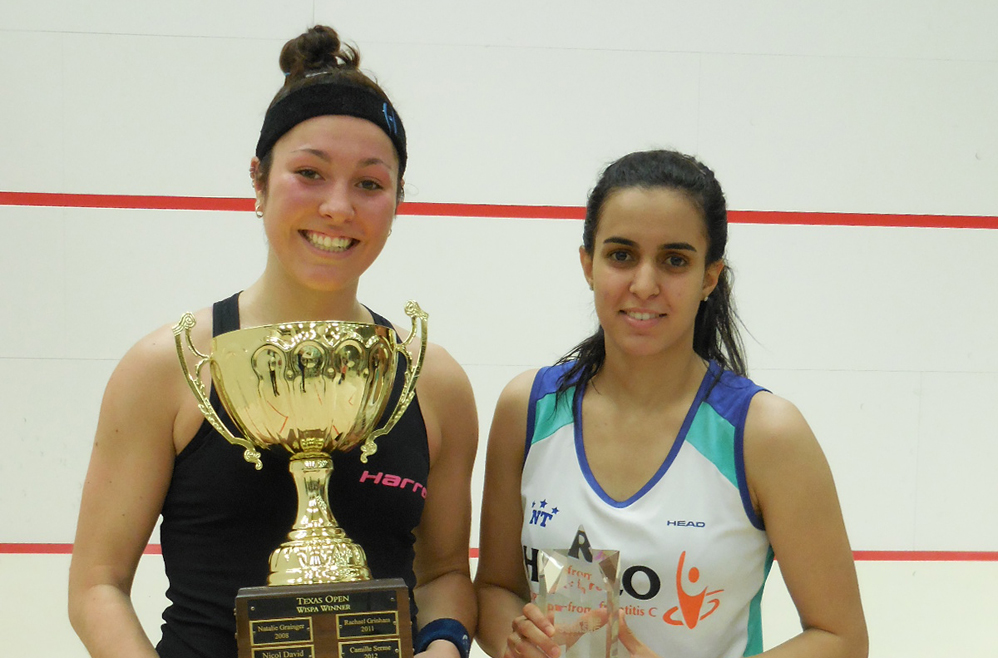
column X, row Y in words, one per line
column 413, row 367
column 184, row 327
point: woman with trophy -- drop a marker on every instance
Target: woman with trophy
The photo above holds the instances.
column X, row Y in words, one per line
column 328, row 179
column 649, row 437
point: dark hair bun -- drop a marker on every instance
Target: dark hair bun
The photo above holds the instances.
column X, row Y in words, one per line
column 318, row 49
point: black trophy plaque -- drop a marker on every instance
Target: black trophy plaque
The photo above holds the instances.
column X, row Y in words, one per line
column 368, row 619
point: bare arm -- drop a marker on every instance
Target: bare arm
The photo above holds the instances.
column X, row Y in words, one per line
column 129, row 474
column 500, row 580
column 443, row 577
column 792, row 486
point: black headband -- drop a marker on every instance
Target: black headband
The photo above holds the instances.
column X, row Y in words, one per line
column 331, row 98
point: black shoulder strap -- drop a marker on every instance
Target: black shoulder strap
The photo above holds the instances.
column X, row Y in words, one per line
column 380, row 319
column 225, row 315
column 224, row 318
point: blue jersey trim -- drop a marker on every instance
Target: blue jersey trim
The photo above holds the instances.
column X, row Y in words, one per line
column 753, row 644
column 552, row 412
column 727, row 394
column 743, row 487
column 736, row 410
column 545, row 385
column 531, row 416
column 731, row 398
column 706, row 385
column 714, row 438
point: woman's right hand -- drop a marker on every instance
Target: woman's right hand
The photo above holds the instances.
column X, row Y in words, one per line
column 634, row 646
column 535, row 636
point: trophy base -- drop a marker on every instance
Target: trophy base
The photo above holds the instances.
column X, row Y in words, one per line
column 318, row 560
column 335, row 620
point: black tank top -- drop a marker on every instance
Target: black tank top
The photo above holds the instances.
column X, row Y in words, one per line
column 222, row 518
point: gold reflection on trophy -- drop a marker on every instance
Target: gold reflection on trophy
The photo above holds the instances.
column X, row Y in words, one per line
column 314, row 388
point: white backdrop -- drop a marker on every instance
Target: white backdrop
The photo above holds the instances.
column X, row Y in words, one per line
column 883, row 336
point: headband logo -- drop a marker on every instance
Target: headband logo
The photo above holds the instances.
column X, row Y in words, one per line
column 389, row 118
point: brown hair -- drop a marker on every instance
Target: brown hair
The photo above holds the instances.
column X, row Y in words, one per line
column 317, row 56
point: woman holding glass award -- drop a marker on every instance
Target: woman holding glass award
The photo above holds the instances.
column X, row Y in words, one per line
column 649, row 437
column 328, row 178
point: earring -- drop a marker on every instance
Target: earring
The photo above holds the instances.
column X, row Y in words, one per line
column 258, row 210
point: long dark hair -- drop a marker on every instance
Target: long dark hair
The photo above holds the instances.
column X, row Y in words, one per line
column 715, row 331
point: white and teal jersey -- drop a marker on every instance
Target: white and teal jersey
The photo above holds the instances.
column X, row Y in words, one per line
column 694, row 555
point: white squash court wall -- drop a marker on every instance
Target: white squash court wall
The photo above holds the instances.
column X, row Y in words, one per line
column 885, row 337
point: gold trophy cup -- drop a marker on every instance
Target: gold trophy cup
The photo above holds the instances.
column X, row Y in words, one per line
column 313, row 388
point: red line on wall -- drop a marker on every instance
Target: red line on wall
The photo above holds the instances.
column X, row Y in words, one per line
column 57, row 549
column 925, row 556
column 479, row 210
column 123, row 201
column 861, row 219
column 860, row 556
column 491, row 210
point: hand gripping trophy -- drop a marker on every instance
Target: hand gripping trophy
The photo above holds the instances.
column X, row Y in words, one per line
column 579, row 593
column 313, row 388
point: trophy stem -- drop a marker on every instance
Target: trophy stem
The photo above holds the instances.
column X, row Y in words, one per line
column 317, row 550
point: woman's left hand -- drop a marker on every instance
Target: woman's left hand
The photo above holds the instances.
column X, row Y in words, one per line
column 634, row 646
column 440, row 649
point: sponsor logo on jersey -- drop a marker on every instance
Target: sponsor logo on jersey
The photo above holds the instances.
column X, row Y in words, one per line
column 395, row 481
column 687, row 524
column 691, row 605
column 541, row 512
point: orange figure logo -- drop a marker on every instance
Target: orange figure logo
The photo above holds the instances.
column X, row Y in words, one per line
column 690, row 604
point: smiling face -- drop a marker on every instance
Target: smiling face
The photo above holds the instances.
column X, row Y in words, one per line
column 329, row 201
column 648, row 270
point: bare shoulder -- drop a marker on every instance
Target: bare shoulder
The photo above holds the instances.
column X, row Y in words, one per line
column 781, row 451
column 158, row 348
column 511, row 408
column 774, row 423
column 509, row 421
column 447, row 403
column 442, row 373
column 155, row 354
column 148, row 387
column 518, row 389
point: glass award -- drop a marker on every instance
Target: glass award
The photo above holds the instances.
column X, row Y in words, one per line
column 579, row 592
